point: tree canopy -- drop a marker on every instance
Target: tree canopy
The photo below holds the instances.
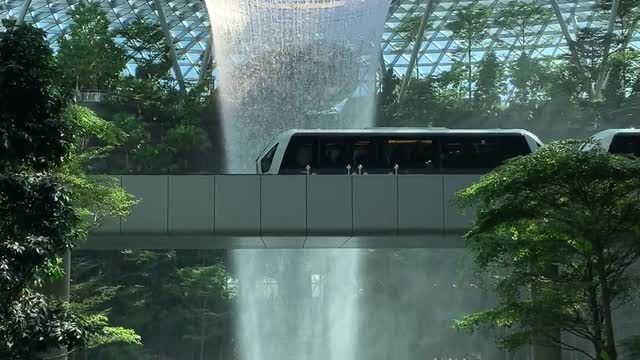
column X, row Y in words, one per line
column 37, row 221
column 89, row 57
column 565, row 208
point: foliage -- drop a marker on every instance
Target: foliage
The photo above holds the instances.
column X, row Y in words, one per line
column 627, row 17
column 37, row 221
column 525, row 76
column 519, row 17
column 490, row 83
column 388, row 93
column 633, row 346
column 593, row 47
column 565, row 208
column 89, row 56
column 169, row 131
column 470, row 29
column 625, row 69
column 147, row 48
column 140, row 289
column 95, row 198
column 32, row 132
column 408, row 27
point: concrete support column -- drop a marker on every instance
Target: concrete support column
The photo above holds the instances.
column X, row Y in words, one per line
column 424, row 21
column 207, row 60
column 23, row 11
column 172, row 51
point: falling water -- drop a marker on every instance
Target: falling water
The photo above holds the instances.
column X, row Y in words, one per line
column 297, row 304
column 288, row 64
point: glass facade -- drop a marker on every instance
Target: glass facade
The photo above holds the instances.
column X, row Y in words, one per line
column 189, row 25
column 187, row 20
column 438, row 50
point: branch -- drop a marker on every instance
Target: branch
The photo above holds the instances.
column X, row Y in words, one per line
column 565, row 346
column 586, row 334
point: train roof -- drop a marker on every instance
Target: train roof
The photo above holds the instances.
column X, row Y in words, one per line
column 609, row 133
column 407, row 130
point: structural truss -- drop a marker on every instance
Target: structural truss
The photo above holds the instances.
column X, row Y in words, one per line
column 188, row 25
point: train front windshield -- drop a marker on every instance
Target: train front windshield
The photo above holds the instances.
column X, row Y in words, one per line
column 625, row 144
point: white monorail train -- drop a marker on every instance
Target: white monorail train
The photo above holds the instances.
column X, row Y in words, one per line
column 618, row 141
column 393, row 150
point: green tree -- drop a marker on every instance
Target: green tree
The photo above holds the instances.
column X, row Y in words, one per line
column 207, row 291
column 89, row 56
column 177, row 301
column 95, row 198
column 147, row 48
column 590, row 52
column 519, row 18
column 416, row 108
column 525, row 75
column 470, row 29
column 625, row 68
column 490, row 83
column 627, row 16
column 408, row 27
column 37, row 220
column 560, row 208
column 390, row 83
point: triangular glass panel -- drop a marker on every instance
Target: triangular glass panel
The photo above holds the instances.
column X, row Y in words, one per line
column 402, row 61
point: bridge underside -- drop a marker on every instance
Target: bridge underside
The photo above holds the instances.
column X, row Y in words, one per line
column 208, row 241
column 277, row 212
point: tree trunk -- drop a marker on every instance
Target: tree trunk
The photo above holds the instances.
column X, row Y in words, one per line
column 545, row 347
column 604, row 68
column 592, row 295
column 470, row 74
column 605, row 293
column 202, row 328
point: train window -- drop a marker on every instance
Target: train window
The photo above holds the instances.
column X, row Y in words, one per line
column 625, row 144
column 334, row 154
column 364, row 152
column 299, row 154
column 411, row 155
column 265, row 162
column 470, row 152
column 514, row 145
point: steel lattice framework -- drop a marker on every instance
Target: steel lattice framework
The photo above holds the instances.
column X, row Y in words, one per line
column 188, row 25
column 438, row 50
column 187, row 20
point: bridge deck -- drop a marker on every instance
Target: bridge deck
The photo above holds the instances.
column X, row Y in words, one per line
column 266, row 211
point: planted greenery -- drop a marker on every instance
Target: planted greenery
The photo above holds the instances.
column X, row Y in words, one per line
column 37, row 219
column 565, row 209
column 89, row 57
